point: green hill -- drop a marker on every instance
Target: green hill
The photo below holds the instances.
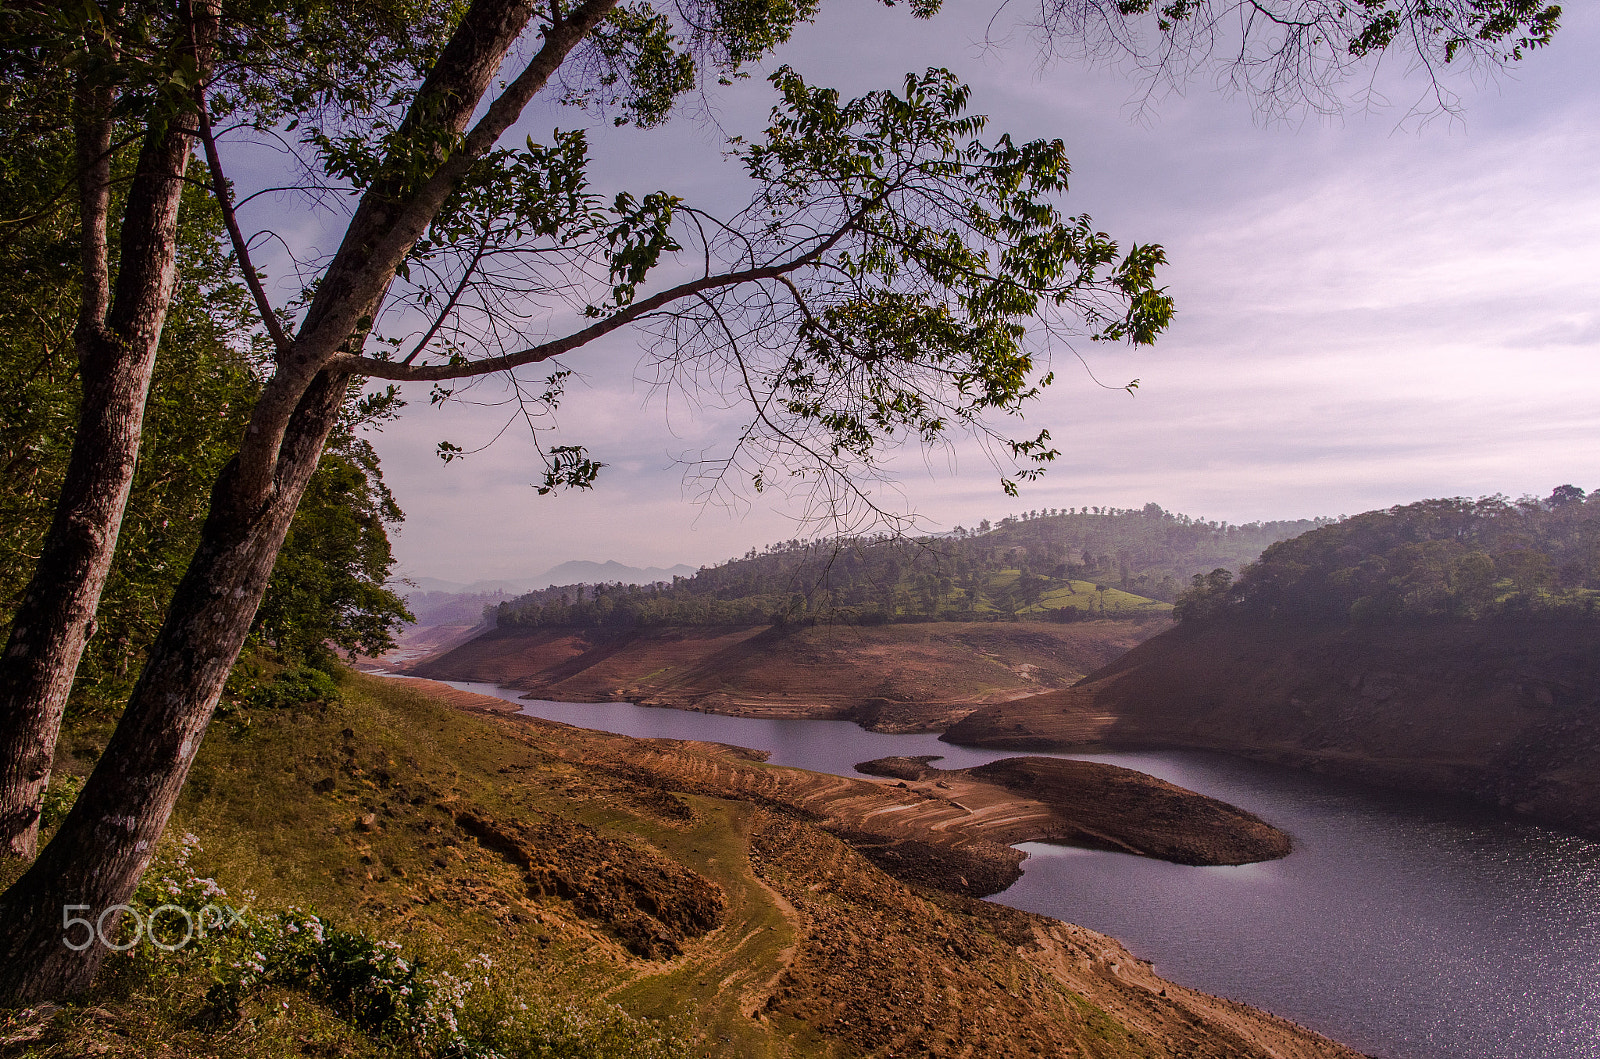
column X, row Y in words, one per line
column 1442, row 559
column 1064, row 566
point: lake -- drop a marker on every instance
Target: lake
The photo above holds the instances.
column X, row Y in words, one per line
column 1406, row 927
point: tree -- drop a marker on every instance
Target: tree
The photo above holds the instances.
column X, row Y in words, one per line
column 200, row 390
column 115, row 338
column 1448, row 558
column 329, row 585
column 1205, row 598
column 1563, row 495
column 893, row 278
column 202, row 386
column 123, row 79
column 327, row 588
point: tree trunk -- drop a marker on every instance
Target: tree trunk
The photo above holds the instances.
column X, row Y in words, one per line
column 116, row 356
column 106, row 841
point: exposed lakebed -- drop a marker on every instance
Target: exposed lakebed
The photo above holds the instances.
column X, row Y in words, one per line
column 1405, row 927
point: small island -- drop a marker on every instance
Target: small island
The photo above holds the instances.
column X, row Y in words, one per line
column 1092, row 805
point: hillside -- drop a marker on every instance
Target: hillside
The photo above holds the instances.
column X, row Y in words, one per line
column 1446, row 558
column 1147, row 550
column 1506, row 712
column 1052, row 565
column 715, row 900
column 1447, row 646
column 901, row 677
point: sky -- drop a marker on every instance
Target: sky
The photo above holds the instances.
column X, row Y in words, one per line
column 1371, row 310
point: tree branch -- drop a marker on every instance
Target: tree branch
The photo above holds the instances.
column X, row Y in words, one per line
column 386, row 369
column 455, row 296
column 92, row 132
column 241, row 250
column 391, row 216
column 384, row 230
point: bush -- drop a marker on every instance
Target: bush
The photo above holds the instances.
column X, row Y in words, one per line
column 439, row 1015
column 295, row 687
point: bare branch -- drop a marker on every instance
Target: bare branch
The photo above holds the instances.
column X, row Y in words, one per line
column 449, row 306
column 1293, row 56
column 384, row 369
column 241, row 250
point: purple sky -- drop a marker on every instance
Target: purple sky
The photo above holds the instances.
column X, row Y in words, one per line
column 1369, row 313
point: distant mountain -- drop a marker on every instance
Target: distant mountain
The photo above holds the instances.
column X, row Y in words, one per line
column 510, row 586
column 584, row 572
column 577, row 572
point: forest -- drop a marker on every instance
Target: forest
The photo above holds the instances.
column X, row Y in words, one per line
column 1450, row 558
column 1052, row 564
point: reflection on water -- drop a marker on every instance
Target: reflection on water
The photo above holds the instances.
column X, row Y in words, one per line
column 1406, row 927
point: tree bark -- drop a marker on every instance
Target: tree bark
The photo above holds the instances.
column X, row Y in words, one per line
column 116, row 338
column 106, row 841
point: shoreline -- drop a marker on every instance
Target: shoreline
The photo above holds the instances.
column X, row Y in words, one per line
column 898, row 678
column 966, row 820
column 1498, row 716
column 863, row 862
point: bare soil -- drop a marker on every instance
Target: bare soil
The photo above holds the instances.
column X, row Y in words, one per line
column 890, row 678
column 1098, row 806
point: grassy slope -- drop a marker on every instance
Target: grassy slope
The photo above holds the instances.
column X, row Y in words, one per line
column 1083, row 595
column 1065, row 594
column 818, row 953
